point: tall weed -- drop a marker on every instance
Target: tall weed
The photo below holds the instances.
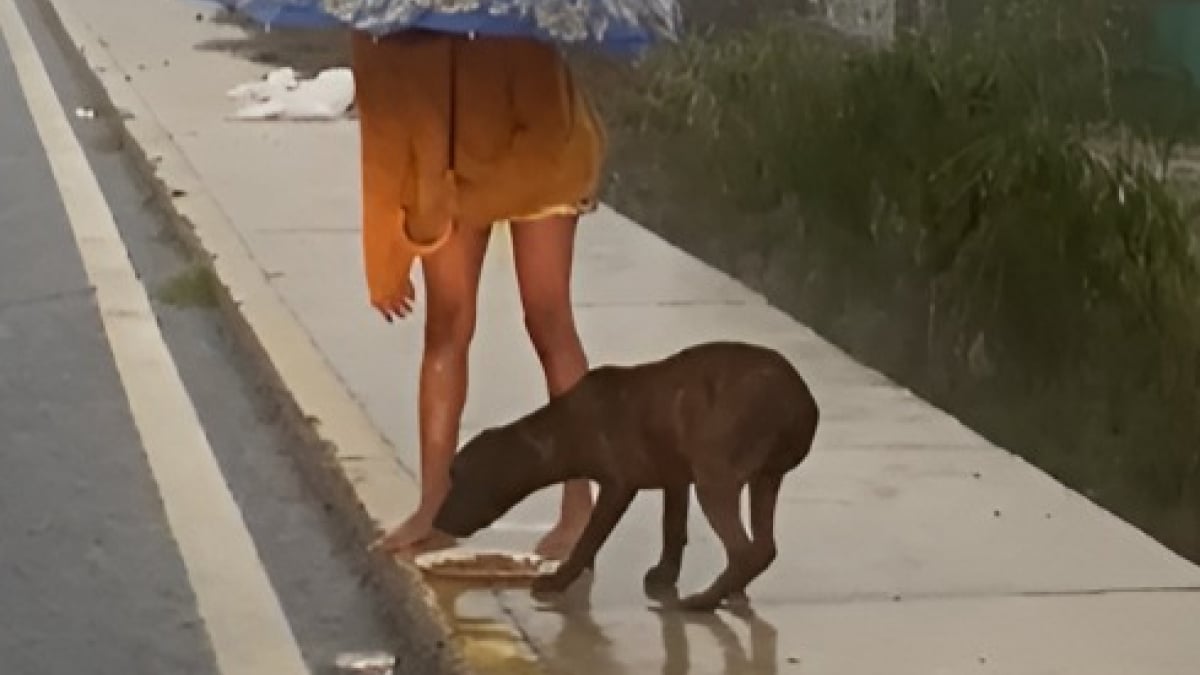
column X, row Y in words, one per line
column 952, row 188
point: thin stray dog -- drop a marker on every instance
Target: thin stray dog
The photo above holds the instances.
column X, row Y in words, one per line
column 721, row 415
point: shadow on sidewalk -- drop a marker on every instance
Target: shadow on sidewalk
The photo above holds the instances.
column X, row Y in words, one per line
column 307, row 51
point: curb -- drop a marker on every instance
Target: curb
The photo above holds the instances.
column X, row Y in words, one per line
column 342, row 454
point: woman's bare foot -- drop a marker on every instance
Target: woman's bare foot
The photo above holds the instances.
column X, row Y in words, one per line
column 576, row 511
column 560, row 540
column 412, row 537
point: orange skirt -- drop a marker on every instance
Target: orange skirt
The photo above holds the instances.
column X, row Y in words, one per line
column 515, row 140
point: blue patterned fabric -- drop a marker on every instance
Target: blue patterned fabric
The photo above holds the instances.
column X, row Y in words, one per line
column 613, row 25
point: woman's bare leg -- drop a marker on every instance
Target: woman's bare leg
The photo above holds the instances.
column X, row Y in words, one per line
column 543, row 252
column 451, row 289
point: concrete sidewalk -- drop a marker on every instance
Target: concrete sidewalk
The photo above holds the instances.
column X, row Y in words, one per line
column 908, row 543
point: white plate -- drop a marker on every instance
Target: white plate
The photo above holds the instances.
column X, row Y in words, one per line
column 532, row 564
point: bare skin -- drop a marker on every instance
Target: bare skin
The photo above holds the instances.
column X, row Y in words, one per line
column 543, row 252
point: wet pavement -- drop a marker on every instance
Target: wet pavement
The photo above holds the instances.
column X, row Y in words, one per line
column 908, row 544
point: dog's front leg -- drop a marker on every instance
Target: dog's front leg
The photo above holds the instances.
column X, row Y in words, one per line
column 663, row 576
column 611, row 504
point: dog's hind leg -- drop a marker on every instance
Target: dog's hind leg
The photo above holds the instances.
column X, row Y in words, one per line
column 720, row 501
column 764, row 496
column 665, row 574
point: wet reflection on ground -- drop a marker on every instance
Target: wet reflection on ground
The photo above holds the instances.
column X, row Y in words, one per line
column 569, row 635
column 581, row 642
column 762, row 656
column 483, row 633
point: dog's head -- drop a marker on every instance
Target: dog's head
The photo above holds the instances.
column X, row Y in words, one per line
column 491, row 473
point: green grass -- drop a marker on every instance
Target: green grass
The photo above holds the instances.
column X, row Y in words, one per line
column 953, row 212
column 194, row 287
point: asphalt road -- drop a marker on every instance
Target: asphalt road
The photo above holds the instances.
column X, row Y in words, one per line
column 94, row 575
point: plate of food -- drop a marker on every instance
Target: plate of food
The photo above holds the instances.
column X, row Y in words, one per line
column 486, row 564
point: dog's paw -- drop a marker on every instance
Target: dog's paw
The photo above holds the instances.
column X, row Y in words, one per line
column 551, row 584
column 660, row 580
column 738, row 600
column 662, row 575
column 700, row 602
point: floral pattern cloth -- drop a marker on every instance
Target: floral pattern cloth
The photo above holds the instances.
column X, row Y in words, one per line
column 564, row 20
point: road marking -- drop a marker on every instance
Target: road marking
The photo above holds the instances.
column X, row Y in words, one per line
column 249, row 632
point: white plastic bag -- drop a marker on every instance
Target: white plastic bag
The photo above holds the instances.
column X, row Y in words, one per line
column 281, row 96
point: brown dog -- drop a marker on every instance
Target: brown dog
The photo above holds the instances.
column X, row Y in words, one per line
column 721, row 415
